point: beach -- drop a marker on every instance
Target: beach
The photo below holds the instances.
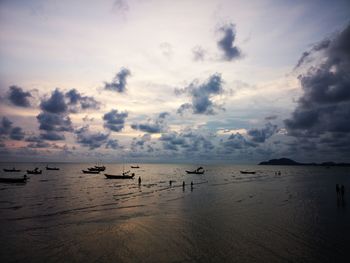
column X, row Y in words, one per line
column 67, row 216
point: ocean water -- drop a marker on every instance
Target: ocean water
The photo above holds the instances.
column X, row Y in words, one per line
column 68, row 216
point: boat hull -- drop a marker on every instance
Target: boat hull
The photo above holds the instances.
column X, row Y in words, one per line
column 34, row 172
column 90, row 172
column 112, row 176
column 194, row 172
column 52, row 169
column 13, row 180
column 244, row 172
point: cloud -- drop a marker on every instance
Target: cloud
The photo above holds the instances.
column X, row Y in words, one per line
column 6, row 126
column 261, row 135
column 119, row 82
column 139, row 143
column 89, row 139
column 305, row 57
column 54, row 118
column 55, row 104
column 157, row 125
column 226, row 43
column 271, row 117
column 113, row 144
column 237, row 142
column 6, row 129
column 202, row 95
column 78, row 102
column 121, row 6
column 324, row 106
column 18, row 97
column 52, row 136
column 198, row 53
column 115, row 121
column 188, row 142
column 17, row 134
column 36, row 142
column 54, row 122
column 166, row 49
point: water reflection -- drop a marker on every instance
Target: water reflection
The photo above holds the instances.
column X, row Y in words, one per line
column 223, row 216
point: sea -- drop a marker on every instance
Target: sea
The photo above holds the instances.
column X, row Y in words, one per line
column 226, row 216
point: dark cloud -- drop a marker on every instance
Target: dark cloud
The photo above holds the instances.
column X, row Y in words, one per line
column 6, row 129
column 36, row 142
column 157, row 125
column 54, row 122
column 5, row 126
column 140, row 143
column 119, row 82
column 325, row 104
column 113, row 144
column 261, row 135
column 41, row 144
column 198, row 53
column 237, row 142
column 18, row 97
column 115, row 121
column 77, row 101
column 272, row 117
column 202, row 96
column 17, row 134
column 54, row 118
column 188, row 142
column 55, row 104
column 226, row 43
column 89, row 139
column 52, row 136
column 317, row 47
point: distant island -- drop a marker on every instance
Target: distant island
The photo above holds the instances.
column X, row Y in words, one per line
column 286, row 161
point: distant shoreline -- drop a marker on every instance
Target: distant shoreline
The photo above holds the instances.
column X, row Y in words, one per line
column 286, row 161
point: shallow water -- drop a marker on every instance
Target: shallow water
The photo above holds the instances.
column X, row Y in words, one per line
column 67, row 216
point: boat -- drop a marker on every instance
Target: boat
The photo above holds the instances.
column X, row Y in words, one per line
column 248, row 172
column 52, row 168
column 14, row 180
column 98, row 168
column 122, row 176
column 90, row 172
column 35, row 171
column 13, row 170
column 135, row 166
column 199, row 170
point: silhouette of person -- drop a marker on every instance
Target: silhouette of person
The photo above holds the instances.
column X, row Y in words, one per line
column 183, row 184
column 337, row 189
column 139, row 180
column 191, row 185
column 170, row 183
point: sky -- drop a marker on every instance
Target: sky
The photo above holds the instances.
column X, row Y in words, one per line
column 174, row 81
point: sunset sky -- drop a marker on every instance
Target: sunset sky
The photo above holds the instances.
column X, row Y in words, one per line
column 174, row 81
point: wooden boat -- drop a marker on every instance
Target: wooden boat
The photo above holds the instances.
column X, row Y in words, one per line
column 135, row 167
column 90, row 172
column 35, row 171
column 52, row 168
column 199, row 170
column 14, row 180
column 247, row 172
column 13, row 170
column 97, row 168
column 122, row 176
